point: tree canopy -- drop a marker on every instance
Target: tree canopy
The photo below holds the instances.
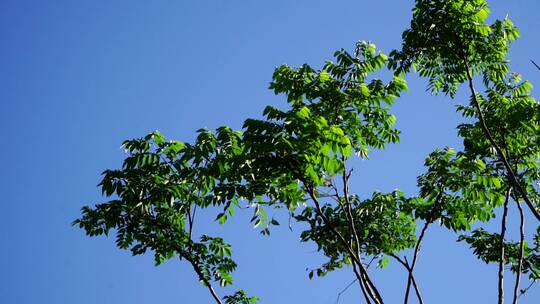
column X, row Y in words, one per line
column 298, row 159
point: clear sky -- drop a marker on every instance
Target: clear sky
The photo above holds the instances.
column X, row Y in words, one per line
column 79, row 77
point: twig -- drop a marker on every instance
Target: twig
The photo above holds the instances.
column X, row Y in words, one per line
column 536, row 65
column 345, row 289
column 370, row 262
column 523, row 291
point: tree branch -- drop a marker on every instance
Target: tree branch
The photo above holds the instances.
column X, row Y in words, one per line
column 511, row 174
column 203, row 278
column 191, row 219
column 345, row 177
column 536, row 65
column 409, row 270
column 429, row 220
column 415, row 258
column 501, row 254
column 345, row 289
column 521, row 252
column 194, row 264
column 359, row 274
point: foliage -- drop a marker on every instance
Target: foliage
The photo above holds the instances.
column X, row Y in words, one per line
column 272, row 162
column 450, row 43
column 240, row 297
column 297, row 159
column 487, row 247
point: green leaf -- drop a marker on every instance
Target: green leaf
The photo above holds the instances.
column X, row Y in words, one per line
column 324, row 77
column 382, row 263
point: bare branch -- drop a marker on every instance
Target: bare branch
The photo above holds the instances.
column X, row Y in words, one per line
column 405, row 264
column 439, row 200
column 527, row 288
column 521, row 251
column 415, row 258
column 344, row 290
column 501, row 254
column 536, row 65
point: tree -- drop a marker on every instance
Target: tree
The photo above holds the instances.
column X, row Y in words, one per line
column 298, row 159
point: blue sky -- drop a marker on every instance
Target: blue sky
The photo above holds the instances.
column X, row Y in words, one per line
column 79, row 77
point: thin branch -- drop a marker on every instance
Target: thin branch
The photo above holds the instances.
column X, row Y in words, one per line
column 345, row 178
column 400, row 260
column 370, row 262
column 521, row 251
column 536, row 65
column 194, row 264
column 191, row 219
column 429, row 220
column 345, row 289
column 328, row 195
column 416, row 289
column 524, row 291
column 336, row 191
column 359, row 274
column 203, row 278
column 501, row 254
column 511, row 174
column 367, row 294
column 405, row 264
column 413, row 264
